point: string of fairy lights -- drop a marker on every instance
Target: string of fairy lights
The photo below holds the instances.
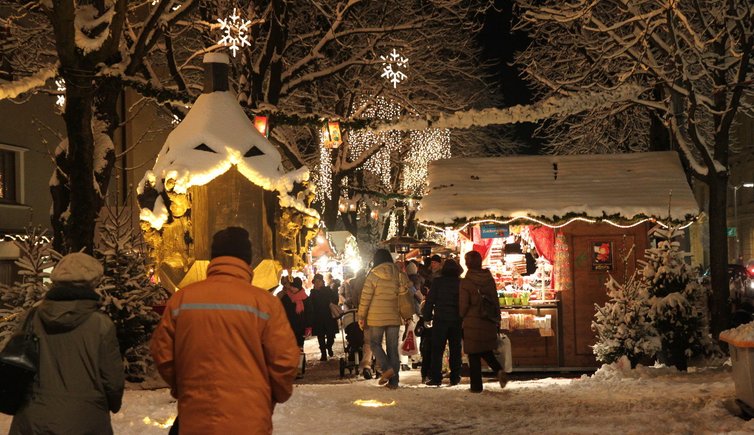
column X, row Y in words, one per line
column 524, row 219
column 419, row 147
column 426, row 146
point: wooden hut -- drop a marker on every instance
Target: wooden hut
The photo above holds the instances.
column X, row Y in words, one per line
column 584, row 217
column 216, row 170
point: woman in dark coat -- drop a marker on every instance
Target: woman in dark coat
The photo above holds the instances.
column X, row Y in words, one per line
column 296, row 305
column 479, row 334
column 80, row 378
column 323, row 324
column 441, row 308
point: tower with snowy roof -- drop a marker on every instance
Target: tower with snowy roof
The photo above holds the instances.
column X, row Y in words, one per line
column 216, row 170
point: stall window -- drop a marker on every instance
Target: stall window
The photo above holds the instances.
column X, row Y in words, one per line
column 10, row 161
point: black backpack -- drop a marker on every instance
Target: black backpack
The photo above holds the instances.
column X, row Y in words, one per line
column 488, row 308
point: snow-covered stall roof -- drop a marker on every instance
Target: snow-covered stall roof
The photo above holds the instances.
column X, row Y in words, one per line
column 552, row 188
column 215, row 135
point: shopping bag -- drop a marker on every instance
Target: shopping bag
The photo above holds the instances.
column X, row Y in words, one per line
column 408, row 346
column 503, row 352
column 19, row 361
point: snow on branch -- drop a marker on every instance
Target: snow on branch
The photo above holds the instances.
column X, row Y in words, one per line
column 26, row 84
column 552, row 107
column 86, row 21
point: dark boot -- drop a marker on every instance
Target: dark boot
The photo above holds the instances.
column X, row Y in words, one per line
column 324, row 356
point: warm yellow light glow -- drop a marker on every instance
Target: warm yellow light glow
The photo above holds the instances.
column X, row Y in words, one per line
column 370, row 403
column 169, row 422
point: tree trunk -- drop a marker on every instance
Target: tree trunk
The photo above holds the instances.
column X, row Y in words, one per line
column 330, row 216
column 76, row 218
column 76, row 201
column 718, row 239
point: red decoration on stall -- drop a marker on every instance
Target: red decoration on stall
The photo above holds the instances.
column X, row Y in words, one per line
column 544, row 242
column 481, row 245
column 562, row 268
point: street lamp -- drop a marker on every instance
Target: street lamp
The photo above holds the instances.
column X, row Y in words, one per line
column 735, row 215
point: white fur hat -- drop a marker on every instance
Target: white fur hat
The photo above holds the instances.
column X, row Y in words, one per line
column 77, row 268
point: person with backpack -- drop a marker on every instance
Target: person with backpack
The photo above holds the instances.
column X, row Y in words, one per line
column 480, row 310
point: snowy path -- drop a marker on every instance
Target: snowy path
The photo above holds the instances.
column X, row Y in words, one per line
column 646, row 400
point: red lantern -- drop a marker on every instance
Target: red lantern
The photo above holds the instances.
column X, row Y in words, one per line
column 260, row 122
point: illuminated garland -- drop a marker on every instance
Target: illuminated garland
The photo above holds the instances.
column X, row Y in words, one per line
column 570, row 221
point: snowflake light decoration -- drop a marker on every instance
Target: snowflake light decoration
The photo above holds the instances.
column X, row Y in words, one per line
column 60, row 99
column 394, row 75
column 235, row 32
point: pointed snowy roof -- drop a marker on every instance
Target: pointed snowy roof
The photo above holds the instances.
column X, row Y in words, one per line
column 215, row 135
column 626, row 186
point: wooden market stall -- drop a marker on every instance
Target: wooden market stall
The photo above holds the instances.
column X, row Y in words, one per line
column 551, row 229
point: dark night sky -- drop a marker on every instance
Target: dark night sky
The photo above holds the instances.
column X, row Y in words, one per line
column 499, row 45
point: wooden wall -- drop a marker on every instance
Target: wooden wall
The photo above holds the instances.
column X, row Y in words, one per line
column 578, row 304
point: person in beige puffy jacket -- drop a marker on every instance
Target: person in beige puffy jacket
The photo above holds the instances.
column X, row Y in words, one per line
column 379, row 309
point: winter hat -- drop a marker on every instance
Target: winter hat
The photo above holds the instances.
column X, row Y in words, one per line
column 297, row 283
column 436, row 258
column 232, row 241
column 78, row 269
column 411, row 268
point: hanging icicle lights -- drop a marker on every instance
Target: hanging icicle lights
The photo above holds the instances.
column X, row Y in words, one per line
column 235, row 32
column 361, row 140
column 323, row 180
column 426, row 146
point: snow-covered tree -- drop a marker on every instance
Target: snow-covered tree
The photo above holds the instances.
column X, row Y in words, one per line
column 677, row 301
column 623, row 324
column 34, row 264
column 693, row 60
column 127, row 290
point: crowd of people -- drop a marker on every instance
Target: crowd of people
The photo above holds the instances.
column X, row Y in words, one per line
column 230, row 351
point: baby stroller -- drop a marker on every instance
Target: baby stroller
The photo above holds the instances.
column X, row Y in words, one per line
column 353, row 343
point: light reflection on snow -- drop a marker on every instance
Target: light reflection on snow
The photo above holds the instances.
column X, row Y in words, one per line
column 165, row 425
column 373, row 403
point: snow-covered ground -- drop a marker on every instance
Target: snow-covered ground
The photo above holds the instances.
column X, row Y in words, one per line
column 613, row 400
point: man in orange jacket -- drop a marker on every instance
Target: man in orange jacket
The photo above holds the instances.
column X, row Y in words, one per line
column 225, row 347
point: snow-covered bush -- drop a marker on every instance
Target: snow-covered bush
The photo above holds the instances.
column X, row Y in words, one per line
column 35, row 262
column 127, row 289
column 622, row 325
column 677, row 301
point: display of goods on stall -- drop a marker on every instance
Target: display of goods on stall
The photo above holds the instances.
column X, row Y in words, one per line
column 515, row 321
